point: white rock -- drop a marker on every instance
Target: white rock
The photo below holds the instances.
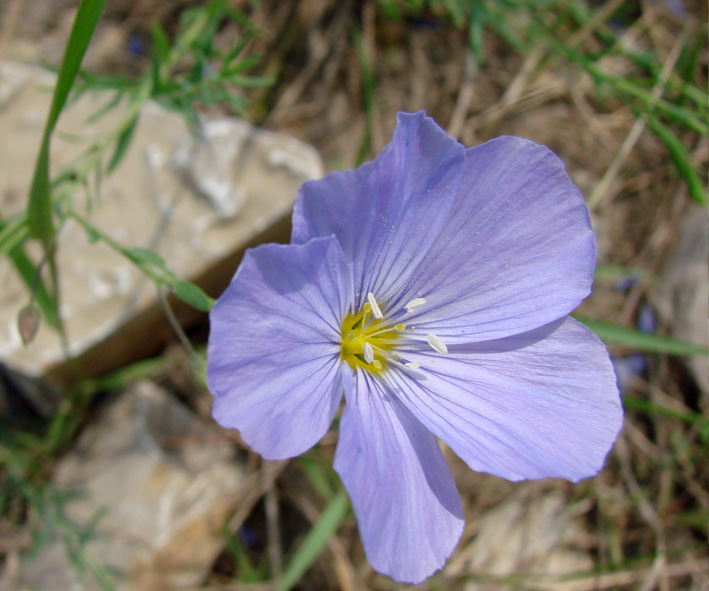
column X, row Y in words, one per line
column 159, row 485
column 196, row 202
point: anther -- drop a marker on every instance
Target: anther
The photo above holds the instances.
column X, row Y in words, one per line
column 376, row 312
column 399, row 327
column 368, row 353
column 413, row 304
column 436, row 343
column 412, row 365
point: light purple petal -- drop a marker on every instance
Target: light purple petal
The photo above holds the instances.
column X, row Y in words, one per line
column 541, row 404
column 517, row 252
column 387, row 213
column 407, row 506
column 274, row 345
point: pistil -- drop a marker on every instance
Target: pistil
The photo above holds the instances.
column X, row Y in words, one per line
column 370, row 341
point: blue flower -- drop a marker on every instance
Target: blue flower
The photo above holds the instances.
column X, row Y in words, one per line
column 431, row 286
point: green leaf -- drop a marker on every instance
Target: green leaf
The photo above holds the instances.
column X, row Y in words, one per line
column 391, row 10
column 92, row 235
column 39, row 209
column 29, row 273
column 143, row 255
column 109, row 106
column 128, row 374
column 122, row 144
column 161, row 44
column 193, row 295
column 314, row 541
column 611, row 272
column 28, row 270
column 244, row 65
column 12, row 234
column 251, row 81
column 634, row 339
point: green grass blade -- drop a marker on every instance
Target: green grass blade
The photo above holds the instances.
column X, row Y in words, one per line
column 681, row 158
column 39, row 210
column 614, row 272
column 456, row 11
column 626, row 88
column 128, row 374
column 476, row 32
column 317, row 473
column 634, row 339
column 315, row 541
column 161, row 43
column 29, row 273
column 86, row 19
column 649, row 407
column 247, row 572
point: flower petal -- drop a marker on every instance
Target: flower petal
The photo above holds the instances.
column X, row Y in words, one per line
column 407, row 506
column 517, row 252
column 541, row 404
column 274, row 346
column 386, row 213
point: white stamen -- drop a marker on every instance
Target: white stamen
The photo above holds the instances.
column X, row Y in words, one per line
column 368, row 353
column 376, row 312
column 413, row 304
column 411, row 369
column 436, row 343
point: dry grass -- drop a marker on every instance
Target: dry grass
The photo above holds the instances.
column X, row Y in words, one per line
column 642, row 523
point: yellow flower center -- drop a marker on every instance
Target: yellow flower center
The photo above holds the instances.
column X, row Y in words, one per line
column 367, row 340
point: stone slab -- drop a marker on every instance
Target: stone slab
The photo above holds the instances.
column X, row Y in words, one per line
column 152, row 487
column 197, row 201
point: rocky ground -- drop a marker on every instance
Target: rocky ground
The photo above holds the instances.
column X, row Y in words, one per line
column 169, row 500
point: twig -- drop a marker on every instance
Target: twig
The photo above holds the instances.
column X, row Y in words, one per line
column 603, row 14
column 255, row 487
column 646, row 509
column 465, row 96
column 638, row 127
column 628, row 577
column 175, row 323
column 272, row 530
column 649, row 514
column 512, row 95
column 320, row 50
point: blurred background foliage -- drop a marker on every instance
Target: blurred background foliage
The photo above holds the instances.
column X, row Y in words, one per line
column 617, row 88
